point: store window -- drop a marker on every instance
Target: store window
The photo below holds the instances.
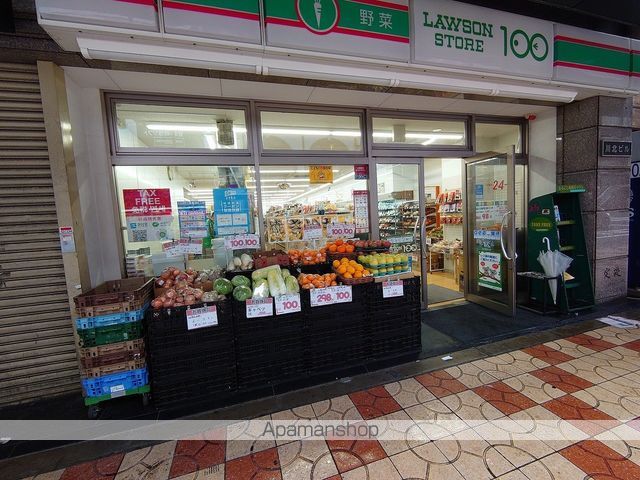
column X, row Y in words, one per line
column 300, row 203
column 166, row 127
column 417, row 132
column 180, row 215
column 291, row 131
column 498, row 137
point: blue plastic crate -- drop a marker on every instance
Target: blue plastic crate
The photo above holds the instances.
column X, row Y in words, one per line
column 115, row 383
column 113, row 319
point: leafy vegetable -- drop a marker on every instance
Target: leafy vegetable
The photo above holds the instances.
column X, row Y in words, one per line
column 223, row 286
column 263, row 272
column 240, row 280
column 242, row 293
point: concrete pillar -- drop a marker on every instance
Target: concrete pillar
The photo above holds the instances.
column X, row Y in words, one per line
column 605, row 205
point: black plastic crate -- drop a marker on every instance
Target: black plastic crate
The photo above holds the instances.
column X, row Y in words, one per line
column 396, row 346
column 390, row 322
column 167, row 368
column 273, row 326
column 166, row 330
column 270, row 370
column 334, row 354
column 187, row 392
column 410, row 299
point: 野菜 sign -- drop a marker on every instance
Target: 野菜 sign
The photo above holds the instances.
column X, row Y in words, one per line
column 148, row 213
column 371, row 28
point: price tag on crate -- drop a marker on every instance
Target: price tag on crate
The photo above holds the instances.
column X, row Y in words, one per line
column 240, row 242
column 117, row 391
column 202, row 317
column 342, row 230
column 259, row 307
column 321, row 297
column 392, row 288
column 289, row 303
column 343, row 294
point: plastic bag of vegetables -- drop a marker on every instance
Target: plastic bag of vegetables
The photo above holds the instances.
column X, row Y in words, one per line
column 260, row 288
column 277, row 286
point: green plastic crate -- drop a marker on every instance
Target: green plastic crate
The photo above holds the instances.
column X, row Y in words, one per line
column 123, row 332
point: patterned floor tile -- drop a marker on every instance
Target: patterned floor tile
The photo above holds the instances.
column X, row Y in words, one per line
column 468, row 405
column 553, row 467
column 513, row 475
column 470, row 375
column 504, row 398
column 380, row 470
column 633, row 345
column 102, row 469
column 263, row 465
column 617, row 336
column 593, row 343
column 374, row 402
column 151, row 463
column 598, row 460
column 587, row 371
column 240, row 448
column 441, row 383
column 394, row 425
column 337, row 408
column 193, row 455
column 531, row 386
column 310, row 460
column 608, row 401
column 425, row 462
column 591, row 420
column 215, row 472
column 351, row 454
column 547, row 354
column 618, row 361
column 299, row 414
column 498, row 368
column 547, row 427
column 436, row 419
column 409, row 392
column 569, row 348
column 623, row 439
column 467, row 455
column 561, row 379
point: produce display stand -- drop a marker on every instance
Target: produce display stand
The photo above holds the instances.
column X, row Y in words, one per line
column 110, row 349
column 244, row 356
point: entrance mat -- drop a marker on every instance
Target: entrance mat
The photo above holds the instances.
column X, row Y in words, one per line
column 473, row 325
column 437, row 294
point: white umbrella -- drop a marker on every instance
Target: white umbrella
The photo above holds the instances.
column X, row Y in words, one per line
column 554, row 264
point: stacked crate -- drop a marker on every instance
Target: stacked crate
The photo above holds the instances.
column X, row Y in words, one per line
column 111, row 347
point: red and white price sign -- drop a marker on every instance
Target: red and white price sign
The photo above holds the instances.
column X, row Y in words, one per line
column 202, row 317
column 289, row 303
column 343, row 294
column 240, row 242
column 259, row 307
column 321, row 297
column 312, row 232
column 392, row 288
column 343, row 230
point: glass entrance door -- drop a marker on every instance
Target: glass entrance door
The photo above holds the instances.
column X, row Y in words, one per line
column 490, row 232
column 400, row 201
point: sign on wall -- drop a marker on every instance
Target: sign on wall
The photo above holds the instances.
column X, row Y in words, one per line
column 454, row 34
column 225, row 19
column 148, row 213
column 231, row 211
column 192, row 216
column 370, row 28
column 320, row 174
column 132, row 14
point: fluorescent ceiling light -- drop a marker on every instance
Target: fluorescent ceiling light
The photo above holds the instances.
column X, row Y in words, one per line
column 336, row 181
column 276, row 180
column 190, row 128
column 268, row 170
column 305, row 131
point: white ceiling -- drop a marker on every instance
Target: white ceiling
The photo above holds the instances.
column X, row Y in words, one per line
column 212, row 87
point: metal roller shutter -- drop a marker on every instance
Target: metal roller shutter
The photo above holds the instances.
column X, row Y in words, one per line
column 37, row 351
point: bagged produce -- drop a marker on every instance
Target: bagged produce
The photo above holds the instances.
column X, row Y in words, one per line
column 263, row 272
column 276, row 283
column 291, row 284
column 242, row 293
column 240, row 280
column 261, row 288
column 223, row 286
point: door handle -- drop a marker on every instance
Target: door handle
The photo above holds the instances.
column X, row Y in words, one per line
column 504, row 250
column 423, row 237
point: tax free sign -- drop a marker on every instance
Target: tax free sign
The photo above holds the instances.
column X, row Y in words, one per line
column 459, row 35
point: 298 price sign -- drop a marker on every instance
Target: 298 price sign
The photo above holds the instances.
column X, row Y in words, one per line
column 321, row 297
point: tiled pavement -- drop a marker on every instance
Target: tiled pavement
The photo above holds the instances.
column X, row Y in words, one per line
column 590, row 376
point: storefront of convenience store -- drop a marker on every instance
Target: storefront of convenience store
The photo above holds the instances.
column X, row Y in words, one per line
column 382, row 121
